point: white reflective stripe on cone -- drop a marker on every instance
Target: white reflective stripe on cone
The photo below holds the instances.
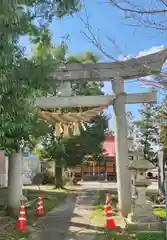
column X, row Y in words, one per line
column 109, row 218
column 40, row 202
column 22, row 212
column 40, row 207
column 21, row 218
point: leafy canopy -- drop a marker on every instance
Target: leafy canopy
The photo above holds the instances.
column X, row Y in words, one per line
column 22, row 79
column 148, row 131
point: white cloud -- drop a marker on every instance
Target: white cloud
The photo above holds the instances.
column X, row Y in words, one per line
column 153, row 49
column 150, row 51
column 149, row 80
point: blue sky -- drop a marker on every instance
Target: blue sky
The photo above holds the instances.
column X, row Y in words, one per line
column 108, row 21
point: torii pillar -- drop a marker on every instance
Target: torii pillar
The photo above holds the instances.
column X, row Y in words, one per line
column 122, row 161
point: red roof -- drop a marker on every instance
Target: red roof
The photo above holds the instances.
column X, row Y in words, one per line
column 109, row 146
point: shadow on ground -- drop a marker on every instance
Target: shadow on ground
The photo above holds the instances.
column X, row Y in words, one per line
column 86, row 226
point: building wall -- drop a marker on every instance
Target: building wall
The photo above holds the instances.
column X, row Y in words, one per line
column 31, row 165
column 110, row 165
column 99, row 169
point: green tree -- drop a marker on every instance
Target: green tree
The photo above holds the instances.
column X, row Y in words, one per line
column 70, row 151
column 23, row 79
column 148, row 131
column 90, row 141
column 53, row 150
column 162, row 119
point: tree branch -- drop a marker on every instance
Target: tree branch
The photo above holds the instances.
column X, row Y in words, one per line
column 95, row 40
column 154, row 11
column 164, row 2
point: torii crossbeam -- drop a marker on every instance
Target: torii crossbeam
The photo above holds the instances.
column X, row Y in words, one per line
column 133, row 68
column 93, row 101
column 117, row 72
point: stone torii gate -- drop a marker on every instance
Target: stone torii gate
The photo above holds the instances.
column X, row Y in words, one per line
column 116, row 72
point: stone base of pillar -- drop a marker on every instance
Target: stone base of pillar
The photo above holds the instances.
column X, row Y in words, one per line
column 153, row 226
column 143, row 213
column 106, row 180
column 142, row 218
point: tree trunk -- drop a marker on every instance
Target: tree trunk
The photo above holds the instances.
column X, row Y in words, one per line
column 58, row 176
column 14, row 182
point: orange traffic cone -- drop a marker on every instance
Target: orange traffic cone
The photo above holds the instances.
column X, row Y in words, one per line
column 21, row 222
column 107, row 206
column 110, row 222
column 40, row 207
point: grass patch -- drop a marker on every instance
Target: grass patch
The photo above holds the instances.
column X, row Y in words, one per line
column 99, row 205
column 160, row 212
column 98, row 208
column 115, row 236
column 150, row 236
column 130, row 236
column 19, row 236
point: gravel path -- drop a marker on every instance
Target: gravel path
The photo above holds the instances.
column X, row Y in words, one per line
column 71, row 220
